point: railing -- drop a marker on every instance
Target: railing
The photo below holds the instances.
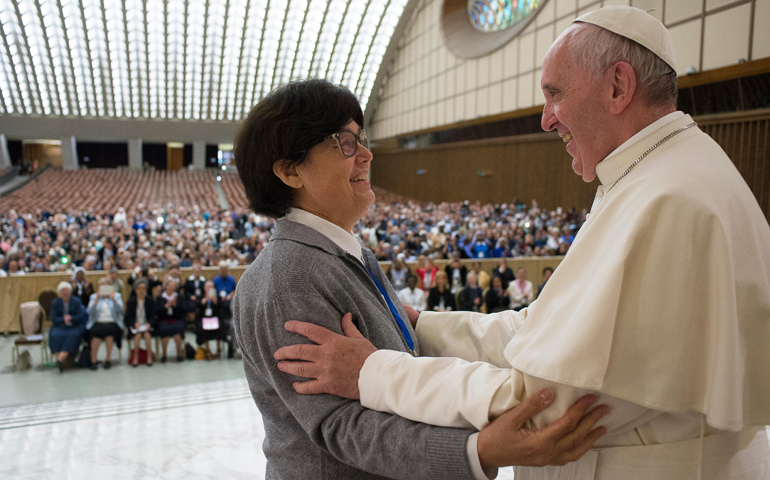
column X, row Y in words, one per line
column 26, row 288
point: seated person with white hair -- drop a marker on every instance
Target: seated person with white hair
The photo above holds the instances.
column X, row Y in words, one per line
column 68, row 318
column 170, row 311
column 105, row 320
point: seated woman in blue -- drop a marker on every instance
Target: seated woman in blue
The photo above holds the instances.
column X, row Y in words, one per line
column 105, row 320
column 68, row 318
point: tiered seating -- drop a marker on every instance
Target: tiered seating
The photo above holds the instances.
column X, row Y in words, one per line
column 236, row 196
column 191, row 188
column 104, row 190
column 234, row 192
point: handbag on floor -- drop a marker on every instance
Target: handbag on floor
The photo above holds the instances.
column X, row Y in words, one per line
column 189, row 351
column 142, row 356
column 84, row 360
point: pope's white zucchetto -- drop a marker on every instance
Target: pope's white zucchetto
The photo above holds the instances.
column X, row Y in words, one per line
column 636, row 25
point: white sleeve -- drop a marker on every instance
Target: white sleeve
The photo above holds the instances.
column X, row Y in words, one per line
column 471, row 449
column 450, row 392
column 447, row 392
column 468, row 335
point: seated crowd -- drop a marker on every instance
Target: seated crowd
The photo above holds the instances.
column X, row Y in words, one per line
column 83, row 317
column 457, row 289
column 51, row 240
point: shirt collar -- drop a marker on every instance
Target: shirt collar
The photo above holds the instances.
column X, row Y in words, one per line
column 610, row 169
column 343, row 239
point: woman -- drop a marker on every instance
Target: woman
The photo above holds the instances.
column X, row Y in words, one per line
column 497, row 296
column 471, row 297
column 81, row 287
column 397, row 273
column 302, row 158
column 441, row 298
column 520, row 291
column 140, row 318
column 169, row 311
column 105, row 321
column 68, row 318
column 427, row 275
column 208, row 325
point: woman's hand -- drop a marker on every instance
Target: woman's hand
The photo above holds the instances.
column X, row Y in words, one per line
column 507, row 440
column 412, row 314
column 332, row 365
column 67, row 319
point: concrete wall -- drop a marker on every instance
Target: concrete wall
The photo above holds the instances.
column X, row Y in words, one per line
column 428, row 87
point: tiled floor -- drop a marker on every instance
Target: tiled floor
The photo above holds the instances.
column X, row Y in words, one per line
column 205, row 431
column 189, row 420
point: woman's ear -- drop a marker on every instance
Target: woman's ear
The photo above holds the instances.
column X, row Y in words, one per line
column 287, row 173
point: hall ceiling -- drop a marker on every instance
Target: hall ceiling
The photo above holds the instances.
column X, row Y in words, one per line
column 182, row 59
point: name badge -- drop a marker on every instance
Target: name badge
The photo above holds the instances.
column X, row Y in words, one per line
column 170, row 311
column 197, row 292
column 208, row 312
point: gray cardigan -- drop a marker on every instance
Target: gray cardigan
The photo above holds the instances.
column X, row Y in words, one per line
column 303, row 275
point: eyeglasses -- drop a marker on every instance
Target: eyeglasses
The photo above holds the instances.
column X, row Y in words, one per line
column 348, row 141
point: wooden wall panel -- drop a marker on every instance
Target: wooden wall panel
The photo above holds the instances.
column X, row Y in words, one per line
column 538, row 167
column 745, row 137
column 526, row 167
column 17, row 290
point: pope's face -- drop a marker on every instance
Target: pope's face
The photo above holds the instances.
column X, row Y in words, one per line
column 577, row 107
column 336, row 187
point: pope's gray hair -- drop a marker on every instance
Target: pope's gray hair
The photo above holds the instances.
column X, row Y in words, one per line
column 597, row 49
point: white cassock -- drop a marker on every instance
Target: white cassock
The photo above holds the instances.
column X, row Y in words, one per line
column 662, row 306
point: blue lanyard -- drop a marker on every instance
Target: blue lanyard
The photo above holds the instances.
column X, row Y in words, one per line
column 393, row 310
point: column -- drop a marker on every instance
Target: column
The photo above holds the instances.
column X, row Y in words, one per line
column 69, row 153
column 135, row 154
column 5, row 157
column 199, row 155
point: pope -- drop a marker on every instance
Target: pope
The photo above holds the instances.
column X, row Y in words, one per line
column 661, row 307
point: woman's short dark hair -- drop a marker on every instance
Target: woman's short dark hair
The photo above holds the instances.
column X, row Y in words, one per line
column 286, row 124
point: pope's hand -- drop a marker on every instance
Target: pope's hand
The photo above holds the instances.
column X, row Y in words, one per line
column 508, row 441
column 332, row 365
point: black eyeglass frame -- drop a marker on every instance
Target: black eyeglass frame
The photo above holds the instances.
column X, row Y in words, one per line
column 359, row 137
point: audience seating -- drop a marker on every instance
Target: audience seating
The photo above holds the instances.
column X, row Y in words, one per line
column 104, row 190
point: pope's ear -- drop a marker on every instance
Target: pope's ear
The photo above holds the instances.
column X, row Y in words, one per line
column 287, row 173
column 623, row 86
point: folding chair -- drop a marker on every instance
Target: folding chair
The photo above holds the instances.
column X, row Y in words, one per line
column 31, row 320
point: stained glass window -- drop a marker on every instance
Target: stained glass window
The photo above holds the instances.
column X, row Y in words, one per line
column 497, row 15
